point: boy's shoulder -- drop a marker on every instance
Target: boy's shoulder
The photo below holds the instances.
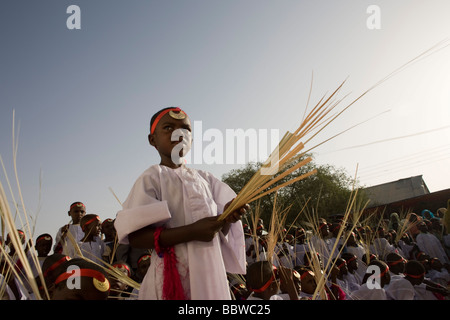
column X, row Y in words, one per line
column 152, row 169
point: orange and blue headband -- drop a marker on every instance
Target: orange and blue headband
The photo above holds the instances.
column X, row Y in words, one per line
column 77, row 204
column 269, row 282
column 97, row 218
column 175, row 113
column 122, row 267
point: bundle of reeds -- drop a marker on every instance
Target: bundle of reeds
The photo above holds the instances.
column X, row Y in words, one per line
column 280, row 163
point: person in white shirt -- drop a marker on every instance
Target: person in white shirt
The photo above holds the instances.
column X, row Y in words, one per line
column 375, row 280
column 321, row 241
column 63, row 242
column 91, row 246
column 300, row 246
column 352, row 277
column 402, row 288
column 380, row 245
column 354, row 247
column 431, row 245
column 175, row 210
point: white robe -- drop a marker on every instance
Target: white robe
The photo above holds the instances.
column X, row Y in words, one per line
column 178, row 197
column 382, row 247
column 431, row 245
column 67, row 245
column 400, row 289
column 5, row 289
column 323, row 247
column 93, row 250
column 299, row 252
column 366, row 293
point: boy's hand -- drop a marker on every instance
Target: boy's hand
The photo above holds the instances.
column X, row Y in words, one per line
column 64, row 230
column 237, row 214
column 205, row 229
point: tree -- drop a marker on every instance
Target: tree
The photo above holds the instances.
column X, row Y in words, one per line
column 326, row 193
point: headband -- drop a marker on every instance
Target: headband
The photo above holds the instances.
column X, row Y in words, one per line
column 384, row 272
column 342, row 264
column 77, row 204
column 56, row 264
column 107, row 220
column 180, row 115
column 44, row 237
column 121, row 266
column 306, row 273
column 415, row 276
column 351, row 259
column 98, row 278
column 393, row 263
column 90, row 221
column 268, row 283
column 336, row 227
column 21, row 235
column 144, row 258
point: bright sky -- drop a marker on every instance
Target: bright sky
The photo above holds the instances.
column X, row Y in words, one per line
column 83, row 98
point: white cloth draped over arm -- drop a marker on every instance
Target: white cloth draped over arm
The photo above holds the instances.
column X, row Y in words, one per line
column 130, row 220
column 141, row 209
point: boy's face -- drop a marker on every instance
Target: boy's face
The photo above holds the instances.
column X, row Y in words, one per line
column 353, row 265
column 43, row 247
column 108, row 229
column 93, row 228
column 169, row 133
column 76, row 213
column 324, row 230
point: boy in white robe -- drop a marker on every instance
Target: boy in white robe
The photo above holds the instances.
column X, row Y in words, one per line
column 402, row 288
column 63, row 244
column 374, row 284
column 186, row 204
column 91, row 246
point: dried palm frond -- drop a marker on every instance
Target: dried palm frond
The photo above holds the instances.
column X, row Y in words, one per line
column 255, row 215
column 276, row 230
column 74, row 243
column 116, row 239
column 9, row 224
column 405, row 227
column 352, row 213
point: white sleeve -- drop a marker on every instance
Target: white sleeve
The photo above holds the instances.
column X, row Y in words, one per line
column 140, row 209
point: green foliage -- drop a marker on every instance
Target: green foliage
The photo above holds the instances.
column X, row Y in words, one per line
column 326, row 193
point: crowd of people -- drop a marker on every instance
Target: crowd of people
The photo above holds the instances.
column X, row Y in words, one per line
column 396, row 259
column 86, row 249
column 337, row 261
